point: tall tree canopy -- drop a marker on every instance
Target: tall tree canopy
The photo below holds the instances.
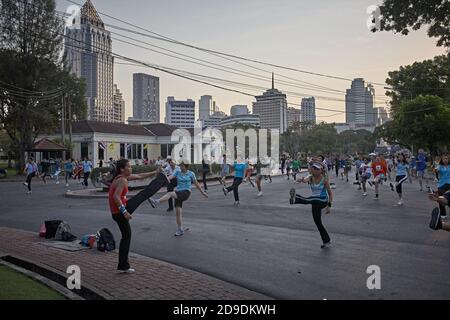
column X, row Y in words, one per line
column 403, row 16
column 32, row 79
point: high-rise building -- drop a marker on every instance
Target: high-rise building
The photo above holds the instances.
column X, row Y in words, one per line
column 244, row 119
column 180, row 113
column 271, row 106
column 359, row 103
column 118, row 106
column 146, row 98
column 239, row 109
column 214, row 120
column 308, row 110
column 382, row 115
column 87, row 47
column 294, row 115
column 206, row 107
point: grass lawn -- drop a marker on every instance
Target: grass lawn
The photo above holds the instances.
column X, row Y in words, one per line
column 16, row 286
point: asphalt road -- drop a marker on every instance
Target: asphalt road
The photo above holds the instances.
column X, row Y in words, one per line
column 267, row 245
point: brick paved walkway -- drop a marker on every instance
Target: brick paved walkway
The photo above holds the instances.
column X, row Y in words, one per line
column 153, row 279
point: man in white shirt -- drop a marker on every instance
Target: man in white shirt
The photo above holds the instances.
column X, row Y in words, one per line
column 169, row 170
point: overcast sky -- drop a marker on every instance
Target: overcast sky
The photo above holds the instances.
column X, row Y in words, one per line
column 322, row 36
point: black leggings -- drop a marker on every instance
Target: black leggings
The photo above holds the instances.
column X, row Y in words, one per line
column 204, row 179
column 86, row 177
column 441, row 192
column 400, row 180
column 235, row 188
column 124, row 248
column 153, row 187
column 68, row 174
column 29, row 177
column 317, row 205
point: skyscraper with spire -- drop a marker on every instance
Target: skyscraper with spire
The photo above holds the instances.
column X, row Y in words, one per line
column 271, row 107
column 87, row 49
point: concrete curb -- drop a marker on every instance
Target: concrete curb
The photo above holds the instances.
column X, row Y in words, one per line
column 47, row 282
column 52, row 275
column 97, row 194
column 12, row 180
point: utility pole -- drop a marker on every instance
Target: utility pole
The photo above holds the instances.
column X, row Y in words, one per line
column 70, row 126
column 63, row 126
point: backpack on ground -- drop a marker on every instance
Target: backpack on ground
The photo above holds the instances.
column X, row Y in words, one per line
column 48, row 229
column 63, row 233
column 105, row 240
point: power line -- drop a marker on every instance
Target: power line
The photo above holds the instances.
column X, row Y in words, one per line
column 30, row 92
column 220, row 87
column 222, row 53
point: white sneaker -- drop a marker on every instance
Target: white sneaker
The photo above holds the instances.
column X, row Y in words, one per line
column 57, row 182
column 67, row 184
column 25, row 184
column 237, row 204
column 260, row 194
column 326, row 245
column 152, row 202
column 364, row 194
column 29, row 192
column 179, row 233
column 400, row 203
column 128, row 271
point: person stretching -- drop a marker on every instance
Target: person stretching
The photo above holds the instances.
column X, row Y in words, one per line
column 321, row 198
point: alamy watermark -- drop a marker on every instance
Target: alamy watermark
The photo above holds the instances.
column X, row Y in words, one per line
column 73, row 17
column 74, row 280
column 374, row 280
column 208, row 144
column 374, row 20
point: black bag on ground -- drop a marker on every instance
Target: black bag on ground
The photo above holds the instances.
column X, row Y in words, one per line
column 63, row 233
column 105, row 240
column 50, row 228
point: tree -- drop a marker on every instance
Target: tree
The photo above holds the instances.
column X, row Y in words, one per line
column 424, row 122
column 356, row 141
column 420, row 123
column 32, row 79
column 404, row 16
column 429, row 77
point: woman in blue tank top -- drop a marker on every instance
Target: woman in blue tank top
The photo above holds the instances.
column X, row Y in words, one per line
column 239, row 170
column 321, row 198
column 401, row 176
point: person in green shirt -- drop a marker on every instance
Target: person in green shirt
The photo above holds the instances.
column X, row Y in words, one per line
column 295, row 168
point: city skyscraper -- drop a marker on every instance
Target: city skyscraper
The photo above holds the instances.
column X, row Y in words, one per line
column 88, row 55
column 180, row 113
column 294, row 115
column 271, row 107
column 308, row 110
column 359, row 103
column 239, row 109
column 206, row 107
column 146, row 105
column 382, row 115
column 118, row 106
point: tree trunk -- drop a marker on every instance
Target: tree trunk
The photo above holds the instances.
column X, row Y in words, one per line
column 21, row 163
column 9, row 160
